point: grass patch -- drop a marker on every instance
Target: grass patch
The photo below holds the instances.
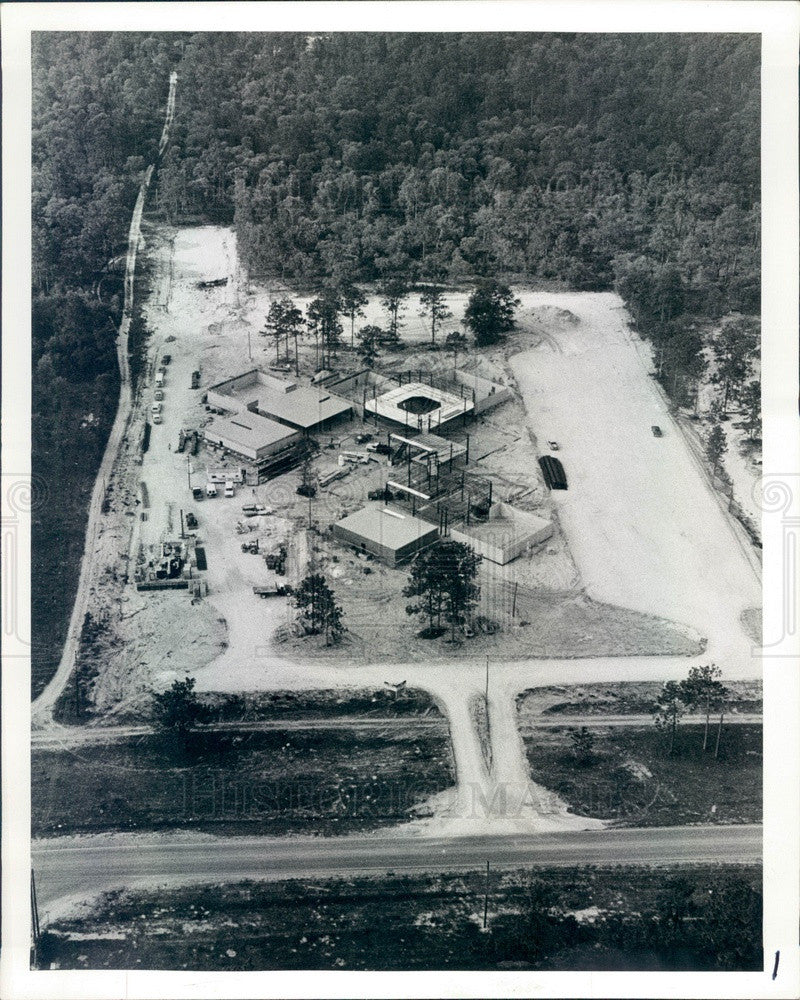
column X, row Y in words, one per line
column 242, row 782
column 479, row 713
column 622, row 698
column 632, row 781
column 331, row 703
column 691, row 918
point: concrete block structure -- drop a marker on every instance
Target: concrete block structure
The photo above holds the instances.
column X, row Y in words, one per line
column 390, row 535
column 418, row 406
column 507, row 533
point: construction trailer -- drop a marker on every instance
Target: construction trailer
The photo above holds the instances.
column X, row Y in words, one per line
column 390, row 535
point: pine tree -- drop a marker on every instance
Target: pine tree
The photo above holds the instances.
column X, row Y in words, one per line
column 703, row 689
column 317, row 608
column 716, row 446
column 490, row 312
column 443, row 577
column 435, row 307
column 668, row 710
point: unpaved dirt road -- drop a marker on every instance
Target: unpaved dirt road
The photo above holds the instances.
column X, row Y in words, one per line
column 90, row 566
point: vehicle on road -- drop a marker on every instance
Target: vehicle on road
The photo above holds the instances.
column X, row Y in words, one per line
column 191, row 520
column 553, row 445
column 657, row 432
column 158, row 394
column 156, row 407
column 156, row 418
column 283, row 591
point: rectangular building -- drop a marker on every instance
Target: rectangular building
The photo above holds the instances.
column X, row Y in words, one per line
column 390, row 535
column 251, row 436
column 303, row 407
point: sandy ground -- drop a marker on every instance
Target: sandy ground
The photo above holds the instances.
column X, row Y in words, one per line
column 644, row 527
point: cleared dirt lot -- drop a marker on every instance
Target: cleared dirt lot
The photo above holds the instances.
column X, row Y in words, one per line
column 644, row 528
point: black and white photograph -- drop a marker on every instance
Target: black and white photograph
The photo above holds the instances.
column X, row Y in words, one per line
column 400, row 500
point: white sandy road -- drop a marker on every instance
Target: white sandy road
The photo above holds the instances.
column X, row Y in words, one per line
column 69, row 870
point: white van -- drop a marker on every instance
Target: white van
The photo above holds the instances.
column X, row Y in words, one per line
column 229, row 490
column 211, row 490
column 159, row 379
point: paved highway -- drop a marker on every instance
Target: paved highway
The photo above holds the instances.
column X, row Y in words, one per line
column 82, row 867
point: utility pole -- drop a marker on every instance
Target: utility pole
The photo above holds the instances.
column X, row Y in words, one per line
column 486, row 693
column 183, row 532
column 486, row 894
column 34, row 916
column 189, row 472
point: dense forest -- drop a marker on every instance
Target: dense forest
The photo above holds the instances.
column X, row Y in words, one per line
column 569, row 157
column 96, row 118
column 594, row 161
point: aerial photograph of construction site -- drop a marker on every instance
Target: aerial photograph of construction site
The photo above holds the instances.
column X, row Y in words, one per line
column 396, row 405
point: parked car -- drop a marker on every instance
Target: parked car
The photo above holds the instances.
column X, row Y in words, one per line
column 306, row 490
column 166, row 359
column 552, row 445
column 197, row 493
column 156, row 418
column 230, row 490
column 191, row 520
column 657, row 432
column 211, row 490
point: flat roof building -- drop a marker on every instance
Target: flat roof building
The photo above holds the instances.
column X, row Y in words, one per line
column 390, row 535
column 251, row 436
column 304, row 407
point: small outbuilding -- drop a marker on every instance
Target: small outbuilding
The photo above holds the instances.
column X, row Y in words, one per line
column 390, row 535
